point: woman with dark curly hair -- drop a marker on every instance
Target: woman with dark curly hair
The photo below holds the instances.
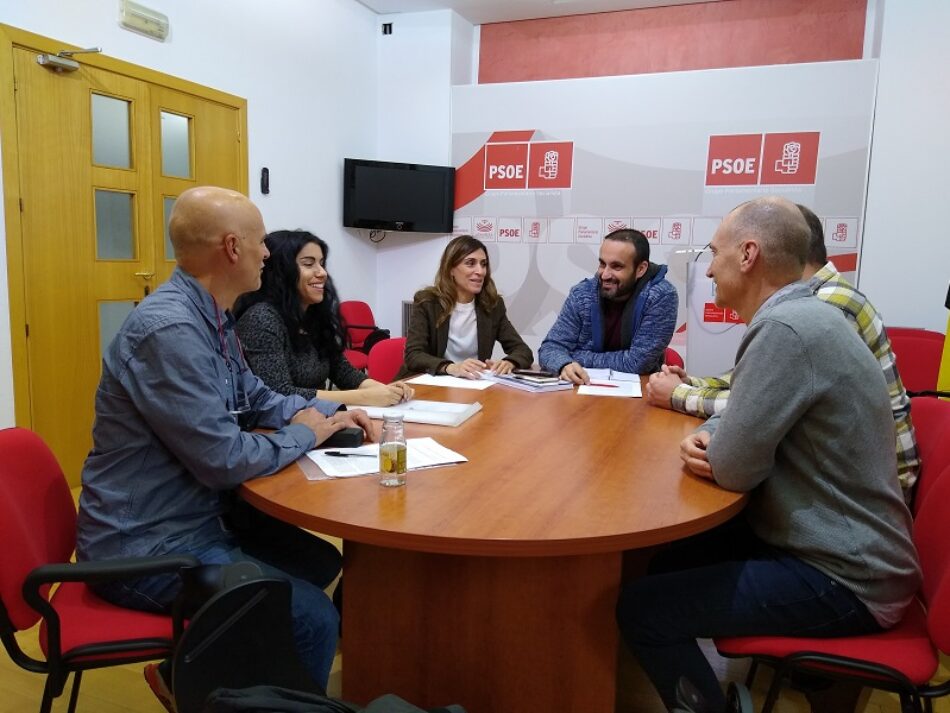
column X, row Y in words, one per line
column 455, row 322
column 291, row 330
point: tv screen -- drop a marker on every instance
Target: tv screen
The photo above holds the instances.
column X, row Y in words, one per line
column 398, row 196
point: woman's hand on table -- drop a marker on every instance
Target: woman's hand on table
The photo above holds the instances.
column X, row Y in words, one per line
column 468, row 369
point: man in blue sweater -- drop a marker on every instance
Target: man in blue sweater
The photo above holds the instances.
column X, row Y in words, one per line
column 620, row 319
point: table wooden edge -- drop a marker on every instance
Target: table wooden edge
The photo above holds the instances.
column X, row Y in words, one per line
column 481, row 547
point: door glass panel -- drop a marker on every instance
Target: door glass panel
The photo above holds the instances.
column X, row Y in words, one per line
column 110, row 132
column 111, row 317
column 114, row 239
column 176, row 148
column 169, row 202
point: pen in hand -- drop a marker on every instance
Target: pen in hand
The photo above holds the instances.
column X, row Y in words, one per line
column 339, row 454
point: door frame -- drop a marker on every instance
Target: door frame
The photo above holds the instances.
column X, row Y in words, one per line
column 11, row 37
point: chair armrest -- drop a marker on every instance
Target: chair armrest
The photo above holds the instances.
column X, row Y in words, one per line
column 938, row 394
column 104, row 570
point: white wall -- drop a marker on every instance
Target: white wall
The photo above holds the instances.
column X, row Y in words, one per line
column 309, row 72
column 419, row 62
column 905, row 265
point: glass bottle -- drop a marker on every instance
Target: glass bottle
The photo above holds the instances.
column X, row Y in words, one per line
column 392, row 452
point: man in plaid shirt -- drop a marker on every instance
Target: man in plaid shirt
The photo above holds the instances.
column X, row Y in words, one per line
column 705, row 396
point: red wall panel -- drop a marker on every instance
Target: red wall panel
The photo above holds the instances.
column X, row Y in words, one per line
column 732, row 33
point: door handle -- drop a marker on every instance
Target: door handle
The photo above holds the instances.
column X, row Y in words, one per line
column 145, row 275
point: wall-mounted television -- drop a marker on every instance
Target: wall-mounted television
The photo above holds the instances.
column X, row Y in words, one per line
column 382, row 195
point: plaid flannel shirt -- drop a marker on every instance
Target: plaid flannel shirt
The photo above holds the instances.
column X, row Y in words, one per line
column 706, row 396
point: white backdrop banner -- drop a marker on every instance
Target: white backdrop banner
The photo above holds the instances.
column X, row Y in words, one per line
column 546, row 169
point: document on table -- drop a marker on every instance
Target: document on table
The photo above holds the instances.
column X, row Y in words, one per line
column 438, row 413
column 602, row 387
column 452, row 382
column 364, row 460
column 611, row 375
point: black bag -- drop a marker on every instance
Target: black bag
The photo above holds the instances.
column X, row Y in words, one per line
column 374, row 337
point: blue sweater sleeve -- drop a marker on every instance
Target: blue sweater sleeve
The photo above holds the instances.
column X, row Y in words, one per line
column 558, row 348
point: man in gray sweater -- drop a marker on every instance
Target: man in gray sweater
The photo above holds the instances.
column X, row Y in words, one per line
column 823, row 547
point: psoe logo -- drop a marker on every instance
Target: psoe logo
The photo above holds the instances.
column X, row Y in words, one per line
column 530, row 165
column 762, row 159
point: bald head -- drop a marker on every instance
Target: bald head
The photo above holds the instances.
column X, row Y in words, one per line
column 202, row 216
column 779, row 228
column 218, row 236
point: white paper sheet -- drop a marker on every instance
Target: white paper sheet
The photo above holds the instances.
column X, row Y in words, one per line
column 611, row 375
column 620, row 389
column 420, row 453
column 452, row 382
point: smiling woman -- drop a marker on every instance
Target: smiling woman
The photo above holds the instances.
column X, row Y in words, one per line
column 455, row 322
column 291, row 331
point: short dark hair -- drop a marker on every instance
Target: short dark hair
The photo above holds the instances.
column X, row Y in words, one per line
column 817, row 252
column 641, row 245
column 320, row 323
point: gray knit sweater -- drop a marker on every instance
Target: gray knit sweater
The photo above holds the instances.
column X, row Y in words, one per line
column 272, row 357
column 809, row 431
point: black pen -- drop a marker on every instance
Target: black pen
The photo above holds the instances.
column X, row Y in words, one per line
column 339, row 454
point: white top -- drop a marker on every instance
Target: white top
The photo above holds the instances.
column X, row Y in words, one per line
column 463, row 333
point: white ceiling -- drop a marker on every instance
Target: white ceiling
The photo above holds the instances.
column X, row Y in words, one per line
column 480, row 12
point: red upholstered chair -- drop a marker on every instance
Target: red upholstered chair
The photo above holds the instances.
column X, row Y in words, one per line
column 79, row 630
column 358, row 322
column 904, row 658
column 385, row 359
column 671, row 357
column 931, row 418
column 918, row 353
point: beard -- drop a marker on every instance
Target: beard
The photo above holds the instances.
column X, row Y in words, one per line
column 617, row 291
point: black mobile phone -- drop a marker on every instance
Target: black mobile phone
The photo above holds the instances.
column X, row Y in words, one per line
column 346, row 438
column 533, row 372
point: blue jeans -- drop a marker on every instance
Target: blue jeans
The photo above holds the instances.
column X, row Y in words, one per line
column 282, row 551
column 726, row 583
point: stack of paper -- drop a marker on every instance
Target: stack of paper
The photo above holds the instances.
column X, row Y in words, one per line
column 420, row 453
column 535, row 388
column 438, row 413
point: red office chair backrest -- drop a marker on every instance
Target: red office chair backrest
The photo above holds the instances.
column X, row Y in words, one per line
column 385, row 359
column 931, row 535
column 360, row 316
column 931, row 418
column 37, row 517
column 918, row 353
column 671, row 357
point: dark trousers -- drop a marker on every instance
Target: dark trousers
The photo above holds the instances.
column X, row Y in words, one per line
column 282, row 551
column 726, row 583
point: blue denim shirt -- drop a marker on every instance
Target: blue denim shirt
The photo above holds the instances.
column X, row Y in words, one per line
column 166, row 443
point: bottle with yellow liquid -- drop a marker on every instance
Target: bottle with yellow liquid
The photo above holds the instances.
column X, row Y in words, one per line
column 392, row 452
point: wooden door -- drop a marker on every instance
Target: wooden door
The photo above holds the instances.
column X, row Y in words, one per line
column 215, row 156
column 97, row 180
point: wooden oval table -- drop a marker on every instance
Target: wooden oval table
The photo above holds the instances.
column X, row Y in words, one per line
column 493, row 583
